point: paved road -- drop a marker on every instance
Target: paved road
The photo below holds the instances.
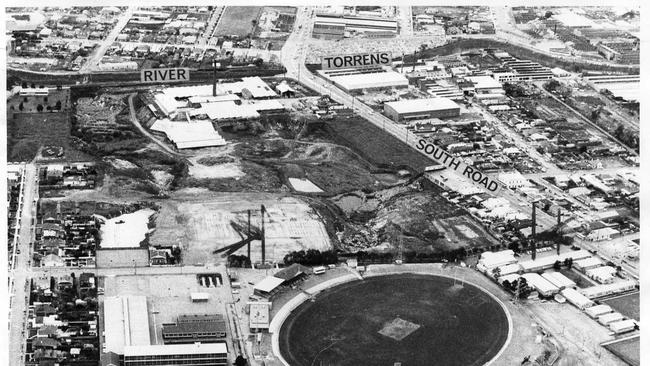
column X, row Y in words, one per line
column 294, row 54
column 96, row 57
column 21, row 263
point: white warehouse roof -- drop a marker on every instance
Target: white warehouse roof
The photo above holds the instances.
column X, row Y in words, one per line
column 268, row 284
column 126, row 322
column 187, row 135
column 371, row 80
column 175, row 349
column 422, row 105
column 539, row 283
column 558, row 279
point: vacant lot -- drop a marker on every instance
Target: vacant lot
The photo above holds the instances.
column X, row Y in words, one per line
column 628, row 305
column 375, row 145
column 413, row 319
column 27, row 132
column 200, row 222
column 238, row 20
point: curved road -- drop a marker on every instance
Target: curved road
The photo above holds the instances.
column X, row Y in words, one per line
column 136, row 123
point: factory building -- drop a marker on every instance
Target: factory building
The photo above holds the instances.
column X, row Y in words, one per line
column 365, row 79
column 215, row 354
column 405, row 110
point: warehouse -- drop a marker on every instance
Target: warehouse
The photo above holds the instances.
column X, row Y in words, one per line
column 490, row 260
column 178, row 354
column 587, row 264
column 608, row 289
column 598, row 310
column 328, row 31
column 206, row 328
column 577, row 299
column 126, row 323
column 548, row 262
column 622, row 326
column 369, row 80
column 542, row 286
column 559, row 280
column 421, row 109
column 609, row 318
column 188, row 135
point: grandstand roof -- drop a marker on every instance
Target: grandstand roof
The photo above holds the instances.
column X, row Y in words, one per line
column 422, row 105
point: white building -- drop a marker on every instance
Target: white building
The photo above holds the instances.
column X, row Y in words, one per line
column 577, row 299
column 622, row 326
column 421, row 109
column 370, row 81
column 598, row 310
column 542, row 286
column 608, row 289
column 604, row 274
column 126, row 323
column 513, row 179
column 609, row 318
column 587, row 263
column 559, row 280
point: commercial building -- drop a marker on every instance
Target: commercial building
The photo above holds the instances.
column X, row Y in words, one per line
column 609, row 318
column 355, row 80
column 587, row 264
column 126, row 323
column 486, row 85
column 513, row 179
column 197, row 354
column 608, row 289
column 559, row 280
column 328, row 30
column 189, row 134
column 576, row 299
column 603, row 275
column 204, row 328
column 421, row 109
column 542, row 286
column 490, row 260
column 547, row 262
column 359, row 24
column 598, row 310
column 622, row 326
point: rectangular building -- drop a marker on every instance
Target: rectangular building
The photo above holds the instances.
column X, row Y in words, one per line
column 577, row 299
column 559, row 280
column 126, row 323
column 542, row 286
column 369, row 80
column 421, row 109
column 197, row 354
column 204, row 328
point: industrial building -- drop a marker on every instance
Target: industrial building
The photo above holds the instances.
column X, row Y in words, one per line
column 328, row 30
column 587, row 264
column 548, row 261
column 205, row 328
column 126, row 323
column 197, row 354
column 358, row 24
column 421, row 108
column 576, row 299
column 598, row 310
column 559, row 280
column 622, row 326
column 608, row 289
column 602, row 275
column 542, row 286
column 365, row 79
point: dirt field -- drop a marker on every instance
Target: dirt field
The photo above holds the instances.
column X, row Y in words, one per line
column 237, row 20
column 376, row 146
column 199, row 221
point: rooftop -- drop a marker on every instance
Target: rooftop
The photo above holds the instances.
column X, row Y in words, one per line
column 175, row 349
column 420, row 105
column 126, row 322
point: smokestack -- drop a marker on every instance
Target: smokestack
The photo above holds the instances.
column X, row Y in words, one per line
column 249, row 234
column 214, row 78
column 415, row 59
column 263, row 210
column 532, row 234
column 559, row 219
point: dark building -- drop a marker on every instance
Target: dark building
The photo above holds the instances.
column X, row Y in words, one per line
column 195, row 328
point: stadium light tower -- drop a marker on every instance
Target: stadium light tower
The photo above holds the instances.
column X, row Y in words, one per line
column 214, row 77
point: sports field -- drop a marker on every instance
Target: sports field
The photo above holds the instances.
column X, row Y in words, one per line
column 237, row 20
column 629, row 350
column 412, row 319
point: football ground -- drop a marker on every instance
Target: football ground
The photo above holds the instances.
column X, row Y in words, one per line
column 412, row 319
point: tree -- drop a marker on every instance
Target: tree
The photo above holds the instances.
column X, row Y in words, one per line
column 548, row 14
column 24, row 85
column 557, row 265
column 241, row 361
column 21, row 107
column 568, row 262
column 496, row 272
column 57, row 105
column 39, row 108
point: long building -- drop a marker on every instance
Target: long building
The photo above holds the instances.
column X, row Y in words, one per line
column 195, row 328
column 360, row 24
column 198, row 354
column 421, row 109
column 126, row 323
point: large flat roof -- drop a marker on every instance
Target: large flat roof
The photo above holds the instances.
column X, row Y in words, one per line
column 422, row 105
column 187, row 135
column 126, row 322
column 268, row 284
column 175, row 349
column 370, row 80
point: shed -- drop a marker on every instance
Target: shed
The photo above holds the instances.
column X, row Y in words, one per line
column 598, row 310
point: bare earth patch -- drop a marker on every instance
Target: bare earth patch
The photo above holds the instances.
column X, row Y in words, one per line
column 398, row 329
